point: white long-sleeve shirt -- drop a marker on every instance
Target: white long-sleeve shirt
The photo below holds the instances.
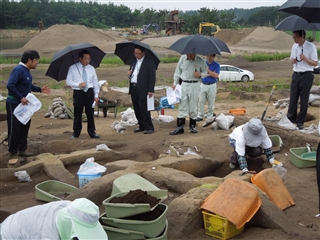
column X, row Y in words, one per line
column 242, row 142
column 37, row 222
column 74, row 78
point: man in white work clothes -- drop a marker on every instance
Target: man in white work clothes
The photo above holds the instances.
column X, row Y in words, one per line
column 190, row 69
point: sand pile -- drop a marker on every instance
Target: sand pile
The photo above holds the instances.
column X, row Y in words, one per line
column 267, row 38
column 233, row 36
column 239, row 61
column 59, row 36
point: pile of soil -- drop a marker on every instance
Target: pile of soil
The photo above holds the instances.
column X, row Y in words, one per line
column 239, row 61
column 58, row 37
column 136, row 196
column 233, row 36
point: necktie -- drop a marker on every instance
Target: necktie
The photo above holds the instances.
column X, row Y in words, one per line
column 84, row 78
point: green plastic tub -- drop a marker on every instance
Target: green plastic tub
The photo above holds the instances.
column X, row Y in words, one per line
column 300, row 157
column 131, row 181
column 276, row 142
column 151, row 229
column 122, row 210
column 53, row 190
column 123, row 234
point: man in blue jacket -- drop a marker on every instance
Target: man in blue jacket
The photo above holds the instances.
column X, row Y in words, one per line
column 208, row 88
column 19, row 85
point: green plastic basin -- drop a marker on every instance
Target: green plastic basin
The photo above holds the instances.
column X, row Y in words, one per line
column 296, row 158
column 122, row 210
column 131, row 181
column 151, row 229
column 53, row 190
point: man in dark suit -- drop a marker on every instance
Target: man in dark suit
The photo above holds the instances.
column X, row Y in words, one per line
column 142, row 75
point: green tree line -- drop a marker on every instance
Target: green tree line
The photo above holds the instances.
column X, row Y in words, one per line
column 27, row 14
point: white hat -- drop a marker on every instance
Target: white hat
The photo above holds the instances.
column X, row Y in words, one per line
column 254, row 130
column 80, row 219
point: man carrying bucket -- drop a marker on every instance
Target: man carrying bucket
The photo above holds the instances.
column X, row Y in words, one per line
column 249, row 139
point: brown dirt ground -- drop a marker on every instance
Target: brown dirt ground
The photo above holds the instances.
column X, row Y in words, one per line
column 53, row 135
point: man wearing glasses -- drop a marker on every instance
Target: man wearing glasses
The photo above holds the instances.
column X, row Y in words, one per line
column 304, row 58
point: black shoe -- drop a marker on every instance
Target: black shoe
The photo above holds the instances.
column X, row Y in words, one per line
column 148, row 131
column 199, row 119
column 73, row 136
column 178, row 130
column 94, row 136
column 300, row 127
column 138, row 130
column 213, row 115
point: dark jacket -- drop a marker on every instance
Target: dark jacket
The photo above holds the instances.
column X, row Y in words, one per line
column 147, row 76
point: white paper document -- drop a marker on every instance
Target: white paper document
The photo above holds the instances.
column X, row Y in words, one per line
column 150, row 103
column 174, row 96
column 24, row 112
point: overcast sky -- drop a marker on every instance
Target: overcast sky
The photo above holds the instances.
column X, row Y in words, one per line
column 185, row 5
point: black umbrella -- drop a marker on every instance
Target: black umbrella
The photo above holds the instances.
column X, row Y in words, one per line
column 296, row 23
column 307, row 9
column 195, row 44
column 124, row 50
column 221, row 44
column 68, row 56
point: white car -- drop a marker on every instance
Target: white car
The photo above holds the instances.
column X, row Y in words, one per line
column 229, row 73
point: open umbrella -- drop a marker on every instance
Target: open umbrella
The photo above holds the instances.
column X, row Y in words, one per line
column 195, row 44
column 62, row 60
column 296, row 23
column 221, row 44
column 125, row 49
column 307, row 9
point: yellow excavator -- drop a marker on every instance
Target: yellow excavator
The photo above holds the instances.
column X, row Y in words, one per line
column 207, row 28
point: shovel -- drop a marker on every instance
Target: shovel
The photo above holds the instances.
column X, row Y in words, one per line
column 265, row 110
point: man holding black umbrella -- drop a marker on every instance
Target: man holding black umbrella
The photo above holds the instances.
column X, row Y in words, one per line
column 82, row 78
column 142, row 75
column 304, row 58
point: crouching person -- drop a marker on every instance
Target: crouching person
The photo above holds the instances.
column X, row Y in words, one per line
column 250, row 139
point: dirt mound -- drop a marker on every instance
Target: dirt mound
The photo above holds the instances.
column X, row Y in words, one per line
column 239, row 61
column 266, row 37
column 59, row 36
column 233, row 36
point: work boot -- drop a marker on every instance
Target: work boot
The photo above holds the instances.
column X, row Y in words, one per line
column 15, row 156
column 193, row 125
column 25, row 153
column 179, row 129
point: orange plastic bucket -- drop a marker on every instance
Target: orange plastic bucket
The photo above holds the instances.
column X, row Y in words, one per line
column 235, row 200
column 237, row 111
column 269, row 181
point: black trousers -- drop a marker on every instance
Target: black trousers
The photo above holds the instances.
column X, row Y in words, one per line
column 300, row 88
column 83, row 99
column 140, row 108
column 17, row 132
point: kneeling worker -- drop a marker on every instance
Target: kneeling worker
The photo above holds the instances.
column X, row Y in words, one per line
column 246, row 140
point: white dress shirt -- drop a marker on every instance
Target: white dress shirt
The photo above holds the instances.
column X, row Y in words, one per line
column 134, row 78
column 309, row 50
column 74, row 77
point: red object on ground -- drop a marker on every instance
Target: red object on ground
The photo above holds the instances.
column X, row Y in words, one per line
column 162, row 111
